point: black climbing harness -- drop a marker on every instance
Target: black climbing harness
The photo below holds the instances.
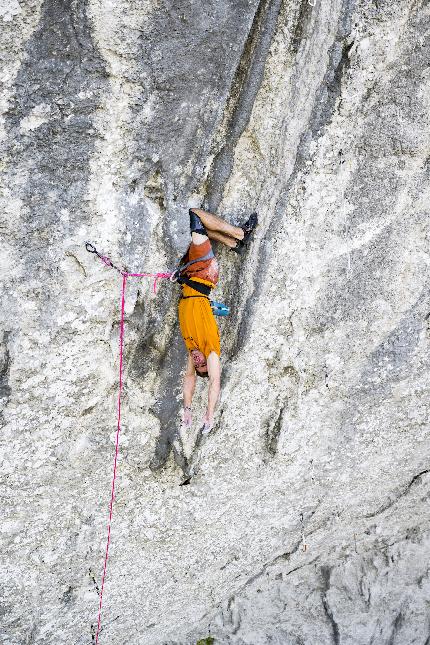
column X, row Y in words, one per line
column 218, row 308
column 177, row 273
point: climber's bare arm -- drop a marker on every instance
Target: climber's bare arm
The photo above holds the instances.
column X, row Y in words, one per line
column 189, row 384
column 214, row 371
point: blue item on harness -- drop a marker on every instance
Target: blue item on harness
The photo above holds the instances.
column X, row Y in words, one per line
column 219, row 309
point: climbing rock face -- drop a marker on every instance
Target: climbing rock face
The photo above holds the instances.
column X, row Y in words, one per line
column 306, row 521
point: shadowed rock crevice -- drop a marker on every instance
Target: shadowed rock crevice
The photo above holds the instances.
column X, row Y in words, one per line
column 273, row 432
column 161, row 349
column 243, row 91
column 398, row 622
column 5, row 362
column 324, row 103
column 302, row 21
column 167, row 407
column 49, row 122
column 325, row 575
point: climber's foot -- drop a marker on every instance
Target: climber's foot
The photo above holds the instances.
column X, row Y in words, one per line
column 249, row 226
column 206, row 429
column 248, row 229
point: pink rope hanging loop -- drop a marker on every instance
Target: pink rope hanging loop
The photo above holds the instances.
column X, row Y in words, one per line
column 125, row 275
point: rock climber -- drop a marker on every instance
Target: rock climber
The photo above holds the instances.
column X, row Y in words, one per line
column 198, row 274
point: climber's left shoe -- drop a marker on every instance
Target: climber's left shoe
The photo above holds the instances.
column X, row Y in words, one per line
column 248, row 229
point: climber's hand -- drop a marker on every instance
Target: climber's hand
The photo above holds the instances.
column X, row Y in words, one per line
column 187, row 417
column 207, row 423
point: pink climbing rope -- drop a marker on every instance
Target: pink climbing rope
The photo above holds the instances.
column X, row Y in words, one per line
column 125, row 275
column 112, row 497
column 156, row 276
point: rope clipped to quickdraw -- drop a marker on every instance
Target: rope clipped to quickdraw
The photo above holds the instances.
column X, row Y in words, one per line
column 125, row 274
column 108, row 262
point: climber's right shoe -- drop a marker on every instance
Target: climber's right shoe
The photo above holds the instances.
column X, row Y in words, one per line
column 248, row 229
column 249, row 226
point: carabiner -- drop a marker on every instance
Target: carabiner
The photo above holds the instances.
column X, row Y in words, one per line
column 91, row 248
column 174, row 276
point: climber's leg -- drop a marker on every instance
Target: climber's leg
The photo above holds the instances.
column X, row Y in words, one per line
column 197, row 229
column 218, row 225
column 231, row 242
column 204, row 225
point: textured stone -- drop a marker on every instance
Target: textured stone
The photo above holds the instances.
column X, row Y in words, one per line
column 307, row 522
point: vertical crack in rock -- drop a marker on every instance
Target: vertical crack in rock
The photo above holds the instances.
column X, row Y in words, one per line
column 289, row 380
column 326, row 574
column 93, row 579
column 273, row 432
column 324, row 103
column 169, row 366
column 50, row 127
column 5, row 361
column 364, row 589
column 233, row 615
column 243, row 92
column 152, row 322
column 303, row 16
column 398, row 622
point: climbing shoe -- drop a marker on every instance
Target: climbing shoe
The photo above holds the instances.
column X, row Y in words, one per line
column 248, row 229
column 249, row 226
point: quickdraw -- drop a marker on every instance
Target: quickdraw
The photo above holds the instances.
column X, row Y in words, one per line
column 107, row 261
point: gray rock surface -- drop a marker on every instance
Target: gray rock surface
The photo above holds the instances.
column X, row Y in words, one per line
column 307, row 522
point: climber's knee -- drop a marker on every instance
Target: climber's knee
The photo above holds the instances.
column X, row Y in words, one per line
column 196, row 225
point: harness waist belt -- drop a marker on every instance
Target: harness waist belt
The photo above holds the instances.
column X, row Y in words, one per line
column 186, row 297
column 197, row 286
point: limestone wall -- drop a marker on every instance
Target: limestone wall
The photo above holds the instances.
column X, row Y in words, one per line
column 307, row 521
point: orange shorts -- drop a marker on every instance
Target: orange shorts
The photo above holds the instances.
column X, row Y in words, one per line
column 198, row 325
